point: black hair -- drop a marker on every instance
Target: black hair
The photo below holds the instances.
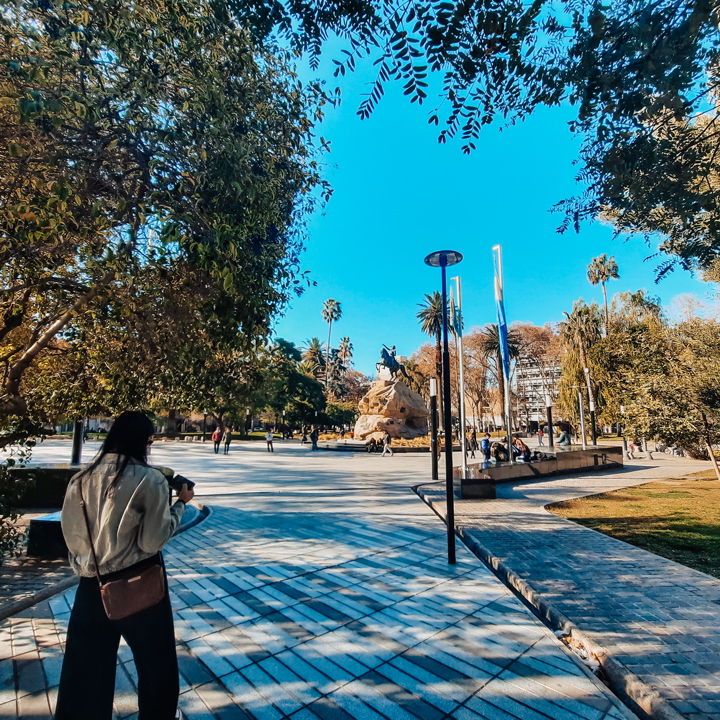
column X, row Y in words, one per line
column 127, row 439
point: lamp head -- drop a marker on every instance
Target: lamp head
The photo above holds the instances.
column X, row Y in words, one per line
column 443, row 258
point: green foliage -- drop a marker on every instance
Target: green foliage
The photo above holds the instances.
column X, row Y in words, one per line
column 578, row 333
column 341, row 412
column 285, row 388
column 17, row 438
column 669, row 377
column 640, row 75
column 136, row 169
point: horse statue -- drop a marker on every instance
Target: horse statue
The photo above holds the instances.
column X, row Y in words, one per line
column 390, row 362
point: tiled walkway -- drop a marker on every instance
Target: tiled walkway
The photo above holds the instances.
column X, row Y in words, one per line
column 318, row 588
column 659, row 618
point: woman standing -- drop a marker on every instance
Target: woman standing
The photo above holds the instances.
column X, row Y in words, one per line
column 117, row 512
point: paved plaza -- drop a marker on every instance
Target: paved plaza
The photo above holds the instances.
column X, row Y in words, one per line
column 319, row 588
column 659, row 618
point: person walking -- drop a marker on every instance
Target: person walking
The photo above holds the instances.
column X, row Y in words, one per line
column 386, row 444
column 269, row 440
column 469, row 444
column 485, row 447
column 314, row 437
column 116, row 519
column 473, row 442
column 227, row 439
column 216, row 438
column 540, row 437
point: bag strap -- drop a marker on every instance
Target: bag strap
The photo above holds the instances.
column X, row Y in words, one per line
column 87, row 526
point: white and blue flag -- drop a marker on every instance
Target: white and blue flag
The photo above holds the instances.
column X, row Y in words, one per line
column 502, row 322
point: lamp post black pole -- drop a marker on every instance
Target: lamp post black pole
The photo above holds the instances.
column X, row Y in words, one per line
column 77, row 442
column 548, row 407
column 433, row 428
column 449, row 485
column 443, row 259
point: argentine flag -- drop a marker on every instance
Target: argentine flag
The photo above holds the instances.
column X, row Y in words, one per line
column 502, row 323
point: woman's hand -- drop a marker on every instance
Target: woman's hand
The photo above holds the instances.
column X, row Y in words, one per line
column 186, row 495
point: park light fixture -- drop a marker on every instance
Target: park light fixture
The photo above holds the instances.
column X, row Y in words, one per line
column 433, row 428
column 445, row 259
column 548, row 408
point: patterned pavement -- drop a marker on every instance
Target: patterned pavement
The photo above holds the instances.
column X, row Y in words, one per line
column 318, row 588
column 660, row 619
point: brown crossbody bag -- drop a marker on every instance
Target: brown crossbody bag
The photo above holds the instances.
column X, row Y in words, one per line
column 131, row 590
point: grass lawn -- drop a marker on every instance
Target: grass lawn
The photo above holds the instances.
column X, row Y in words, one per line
column 677, row 518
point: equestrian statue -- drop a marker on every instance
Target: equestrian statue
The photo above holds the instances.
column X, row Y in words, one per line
column 391, row 363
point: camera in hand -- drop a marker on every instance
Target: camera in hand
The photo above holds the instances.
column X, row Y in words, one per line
column 176, row 483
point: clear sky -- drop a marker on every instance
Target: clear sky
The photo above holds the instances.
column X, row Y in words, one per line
column 399, row 195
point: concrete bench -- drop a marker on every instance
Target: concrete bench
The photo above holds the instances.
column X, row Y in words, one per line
column 482, row 477
column 45, row 537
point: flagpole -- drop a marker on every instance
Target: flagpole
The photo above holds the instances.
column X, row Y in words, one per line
column 461, row 400
column 502, row 338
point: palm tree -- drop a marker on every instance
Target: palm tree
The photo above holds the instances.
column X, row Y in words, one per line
column 331, row 312
column 430, row 318
column 491, row 345
column 345, row 351
column 600, row 270
column 314, row 355
column 582, row 328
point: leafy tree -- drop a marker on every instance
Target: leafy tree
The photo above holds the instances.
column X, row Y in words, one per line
column 430, row 319
column 341, row 412
column 640, row 75
column 600, row 270
column 578, row 332
column 345, row 351
column 132, row 160
column 669, row 380
column 286, row 387
column 331, row 312
column 313, row 354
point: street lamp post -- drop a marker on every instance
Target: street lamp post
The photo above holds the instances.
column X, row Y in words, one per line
column 433, row 428
column 77, row 438
column 548, row 408
column 582, row 419
column 624, row 439
column 593, row 431
column 444, row 259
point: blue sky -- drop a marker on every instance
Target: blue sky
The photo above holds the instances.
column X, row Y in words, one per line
column 399, row 195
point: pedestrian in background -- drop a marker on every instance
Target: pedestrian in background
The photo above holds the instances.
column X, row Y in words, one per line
column 386, row 444
column 485, row 447
column 314, row 437
column 116, row 518
column 227, row 439
column 269, row 440
column 216, row 438
column 540, row 437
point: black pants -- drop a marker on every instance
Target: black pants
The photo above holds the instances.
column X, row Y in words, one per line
column 227, row 448
column 217, row 446
column 270, row 447
column 87, row 681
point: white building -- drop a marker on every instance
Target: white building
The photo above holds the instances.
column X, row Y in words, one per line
column 533, row 384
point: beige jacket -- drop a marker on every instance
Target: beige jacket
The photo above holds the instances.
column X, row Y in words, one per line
column 129, row 524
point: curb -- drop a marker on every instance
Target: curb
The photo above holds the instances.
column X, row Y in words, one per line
column 44, row 594
column 641, row 698
column 68, row 582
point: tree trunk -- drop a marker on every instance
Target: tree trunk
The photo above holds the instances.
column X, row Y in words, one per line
column 586, row 371
column 14, row 403
column 607, row 314
column 708, row 444
column 327, row 355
